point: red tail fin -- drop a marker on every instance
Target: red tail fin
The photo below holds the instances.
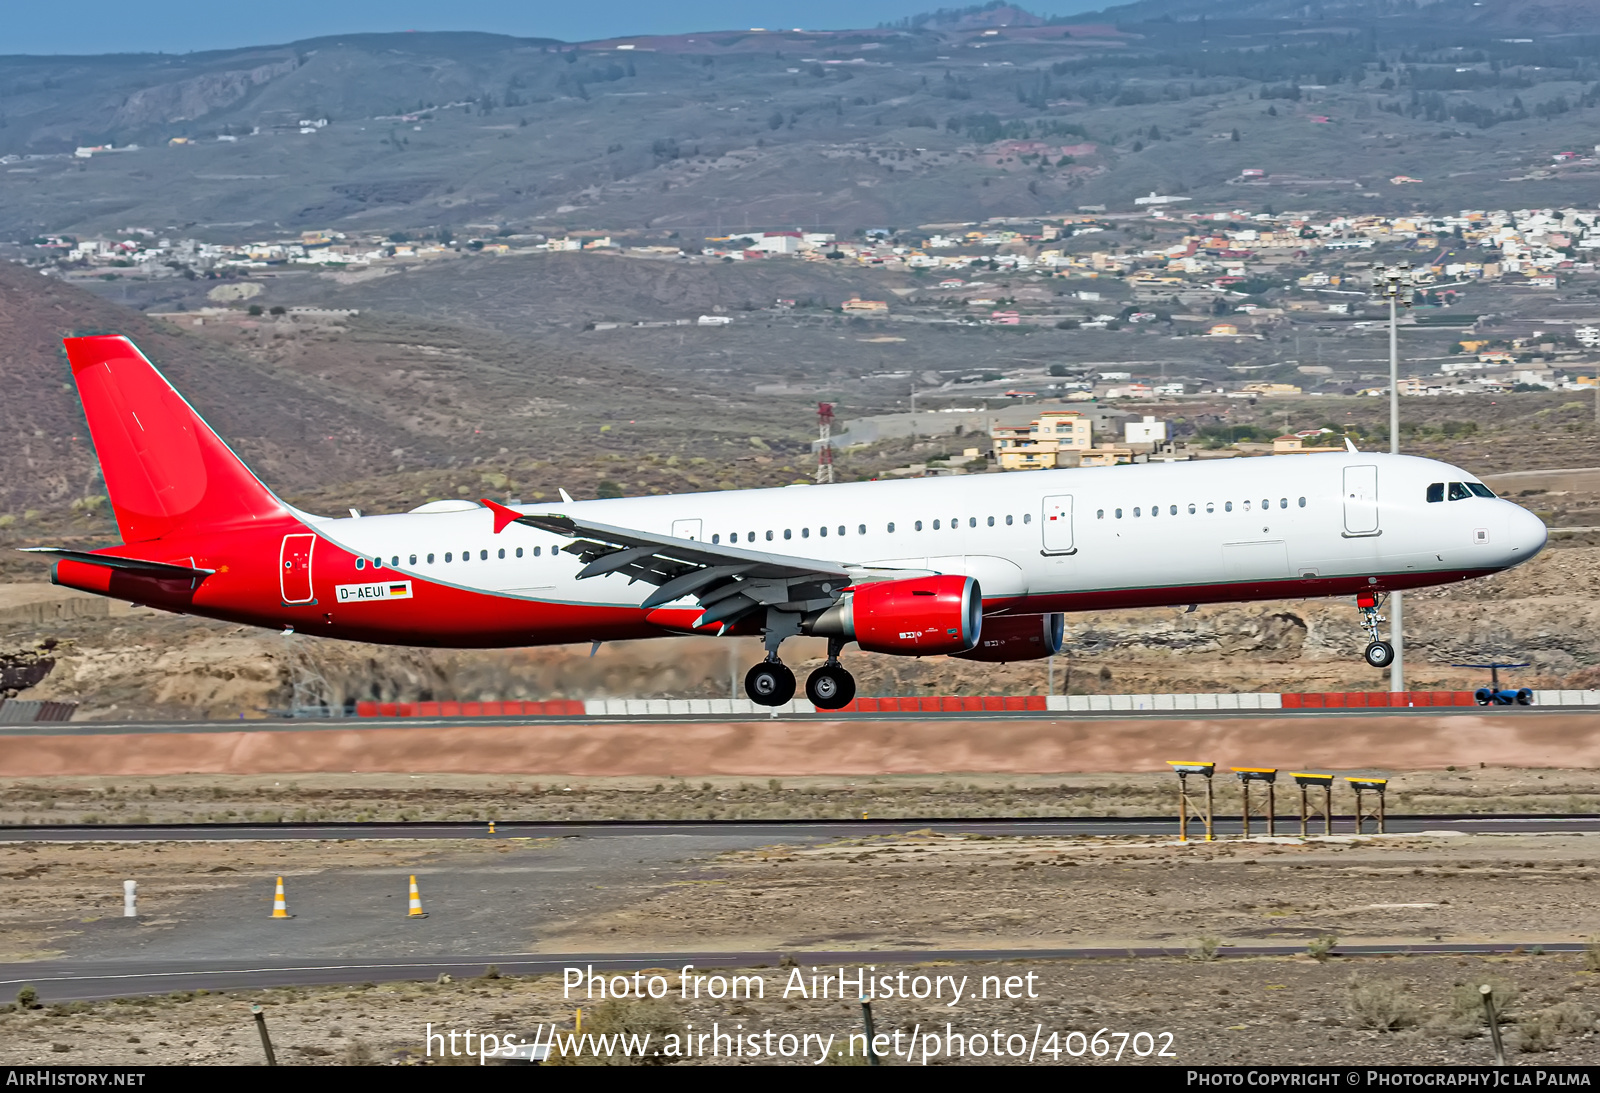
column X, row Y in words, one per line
column 165, row 470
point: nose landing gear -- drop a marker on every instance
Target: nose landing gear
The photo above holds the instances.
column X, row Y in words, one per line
column 1379, row 653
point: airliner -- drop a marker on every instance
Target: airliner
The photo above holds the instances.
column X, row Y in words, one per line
column 981, row 567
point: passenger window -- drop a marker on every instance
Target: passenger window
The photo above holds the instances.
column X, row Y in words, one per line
column 395, row 561
column 536, row 551
column 733, row 537
column 1155, row 510
column 1247, row 506
column 1136, row 510
column 1008, row 519
column 1266, row 503
column 502, row 552
column 430, row 559
column 715, row 538
column 361, row 563
column 377, row 563
column 519, row 551
column 860, row 530
column 918, row 525
column 841, row 529
column 1119, row 514
column 1283, row 502
column 1172, row 510
column 414, row 559
column 1459, row 492
column 891, row 526
column 972, row 521
column 769, row 536
column 1480, row 489
column 749, row 536
column 447, row 556
column 1227, row 506
column 483, row 555
column 1099, row 514
column 1302, row 502
column 787, row 534
column 1027, row 518
column 936, row 525
column 805, row 533
column 1435, row 492
column 1211, row 506
column 823, row 531
column 1191, row 508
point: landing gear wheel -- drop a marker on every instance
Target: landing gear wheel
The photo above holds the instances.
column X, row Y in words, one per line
column 1380, row 654
column 769, row 683
column 831, row 687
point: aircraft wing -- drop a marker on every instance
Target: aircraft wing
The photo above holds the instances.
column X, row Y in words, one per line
column 729, row 582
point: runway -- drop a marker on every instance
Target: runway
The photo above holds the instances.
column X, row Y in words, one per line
column 1151, row 826
column 80, row 980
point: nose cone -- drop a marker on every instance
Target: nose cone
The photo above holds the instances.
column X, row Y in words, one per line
column 1525, row 534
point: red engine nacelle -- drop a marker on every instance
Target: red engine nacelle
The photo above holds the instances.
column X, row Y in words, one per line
column 1018, row 637
column 916, row 617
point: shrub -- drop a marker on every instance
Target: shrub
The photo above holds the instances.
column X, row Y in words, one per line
column 626, row 1017
column 1467, row 1001
column 1380, row 1004
column 28, row 998
column 1322, row 947
column 1205, row 948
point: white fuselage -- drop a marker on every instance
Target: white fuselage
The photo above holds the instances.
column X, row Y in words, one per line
column 1176, row 533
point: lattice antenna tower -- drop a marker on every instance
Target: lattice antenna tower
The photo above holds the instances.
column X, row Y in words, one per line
column 825, row 443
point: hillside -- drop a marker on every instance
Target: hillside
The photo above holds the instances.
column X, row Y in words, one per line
column 705, row 133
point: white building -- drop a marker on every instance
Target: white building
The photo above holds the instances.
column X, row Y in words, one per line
column 1146, row 431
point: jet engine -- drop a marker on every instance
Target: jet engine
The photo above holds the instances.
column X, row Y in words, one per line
column 915, row 617
column 1018, row 637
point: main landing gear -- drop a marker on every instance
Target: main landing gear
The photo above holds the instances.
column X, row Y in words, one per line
column 1379, row 653
column 771, row 683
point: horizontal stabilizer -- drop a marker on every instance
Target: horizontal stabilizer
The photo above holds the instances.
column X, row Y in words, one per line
column 111, row 561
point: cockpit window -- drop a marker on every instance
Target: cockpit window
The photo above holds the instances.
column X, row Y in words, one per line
column 1459, row 491
column 1435, row 492
column 1480, row 489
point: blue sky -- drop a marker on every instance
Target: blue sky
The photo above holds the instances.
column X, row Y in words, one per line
column 179, row 26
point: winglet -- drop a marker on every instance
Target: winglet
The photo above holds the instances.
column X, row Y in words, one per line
column 1350, row 446
column 502, row 515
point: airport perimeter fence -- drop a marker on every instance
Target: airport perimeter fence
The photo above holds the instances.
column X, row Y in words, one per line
column 954, row 704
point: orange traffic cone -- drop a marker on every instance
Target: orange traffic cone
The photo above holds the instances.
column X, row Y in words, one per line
column 280, row 909
column 416, row 901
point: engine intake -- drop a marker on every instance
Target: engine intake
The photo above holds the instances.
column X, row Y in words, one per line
column 916, row 617
column 1018, row 637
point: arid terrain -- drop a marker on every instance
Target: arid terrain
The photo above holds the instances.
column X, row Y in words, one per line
column 915, row 891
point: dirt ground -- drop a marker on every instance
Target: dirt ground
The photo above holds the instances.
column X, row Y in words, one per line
column 466, row 797
column 923, row 891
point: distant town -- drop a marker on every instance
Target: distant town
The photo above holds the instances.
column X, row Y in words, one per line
column 1226, row 275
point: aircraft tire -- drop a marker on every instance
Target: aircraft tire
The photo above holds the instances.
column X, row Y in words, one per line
column 769, row 683
column 830, row 687
column 1380, row 654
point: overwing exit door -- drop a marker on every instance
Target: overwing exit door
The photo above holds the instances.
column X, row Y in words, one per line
column 686, row 529
column 1360, row 501
column 294, row 568
column 1055, row 525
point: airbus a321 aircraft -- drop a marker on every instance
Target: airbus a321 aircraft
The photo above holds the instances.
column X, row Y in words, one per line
column 980, row 567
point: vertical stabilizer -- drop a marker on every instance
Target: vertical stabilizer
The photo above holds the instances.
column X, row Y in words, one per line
column 166, row 471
